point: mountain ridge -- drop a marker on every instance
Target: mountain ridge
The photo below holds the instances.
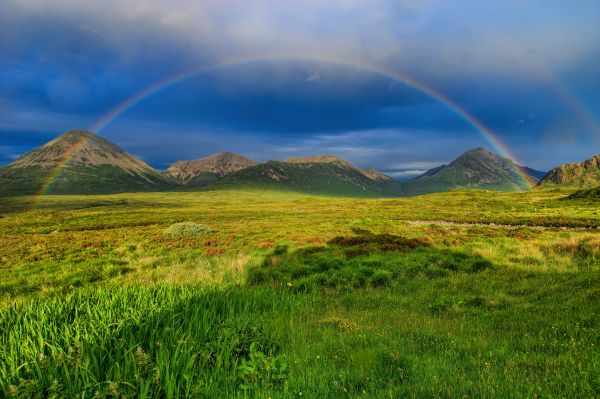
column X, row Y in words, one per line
column 219, row 164
column 372, row 174
column 329, row 178
column 91, row 164
column 584, row 174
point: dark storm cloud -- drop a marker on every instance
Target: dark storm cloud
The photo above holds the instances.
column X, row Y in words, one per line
column 533, row 81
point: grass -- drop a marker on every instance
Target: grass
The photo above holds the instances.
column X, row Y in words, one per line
column 161, row 341
column 186, row 229
column 591, row 193
column 467, row 293
column 76, row 179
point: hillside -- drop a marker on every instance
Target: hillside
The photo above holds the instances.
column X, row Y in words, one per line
column 330, row 178
column 79, row 162
column 581, row 174
column 477, row 168
column 591, row 193
column 209, row 168
column 327, row 158
column 431, row 172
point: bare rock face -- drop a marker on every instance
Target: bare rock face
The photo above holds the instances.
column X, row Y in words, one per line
column 582, row 174
column 327, row 158
column 220, row 164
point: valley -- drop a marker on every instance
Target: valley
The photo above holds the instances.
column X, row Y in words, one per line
column 282, row 294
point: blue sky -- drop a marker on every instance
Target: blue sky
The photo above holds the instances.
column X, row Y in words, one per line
column 527, row 70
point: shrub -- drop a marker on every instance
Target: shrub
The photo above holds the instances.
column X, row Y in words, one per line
column 186, row 229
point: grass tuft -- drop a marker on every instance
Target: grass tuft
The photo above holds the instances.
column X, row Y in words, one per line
column 186, row 229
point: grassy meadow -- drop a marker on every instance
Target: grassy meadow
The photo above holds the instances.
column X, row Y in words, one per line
column 272, row 294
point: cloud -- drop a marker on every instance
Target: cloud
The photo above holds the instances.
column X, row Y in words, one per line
column 314, row 77
column 406, row 34
column 65, row 63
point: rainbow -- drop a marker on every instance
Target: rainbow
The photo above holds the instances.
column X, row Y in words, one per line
column 397, row 76
column 394, row 75
column 541, row 71
column 59, row 168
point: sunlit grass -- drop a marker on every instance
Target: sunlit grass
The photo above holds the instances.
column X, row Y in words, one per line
column 467, row 293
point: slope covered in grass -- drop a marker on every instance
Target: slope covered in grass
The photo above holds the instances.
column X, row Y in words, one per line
column 591, row 193
column 477, row 168
column 327, row 178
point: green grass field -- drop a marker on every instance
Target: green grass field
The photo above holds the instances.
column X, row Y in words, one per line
column 280, row 295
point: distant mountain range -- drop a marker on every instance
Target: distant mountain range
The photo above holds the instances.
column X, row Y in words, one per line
column 79, row 162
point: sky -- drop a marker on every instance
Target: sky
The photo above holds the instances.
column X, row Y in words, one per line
column 401, row 86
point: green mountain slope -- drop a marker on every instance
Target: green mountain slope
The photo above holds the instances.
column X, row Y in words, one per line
column 79, row 162
column 582, row 174
column 477, row 168
column 330, row 178
column 327, row 158
column 591, row 193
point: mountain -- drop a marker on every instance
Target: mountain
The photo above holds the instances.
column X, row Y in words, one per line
column 332, row 159
column 79, row 162
column 477, row 168
column 582, row 174
column 210, row 168
column 336, row 177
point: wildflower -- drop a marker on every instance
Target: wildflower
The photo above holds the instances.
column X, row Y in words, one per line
column 289, row 284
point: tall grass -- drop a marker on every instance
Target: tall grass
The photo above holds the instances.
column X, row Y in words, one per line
column 162, row 341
